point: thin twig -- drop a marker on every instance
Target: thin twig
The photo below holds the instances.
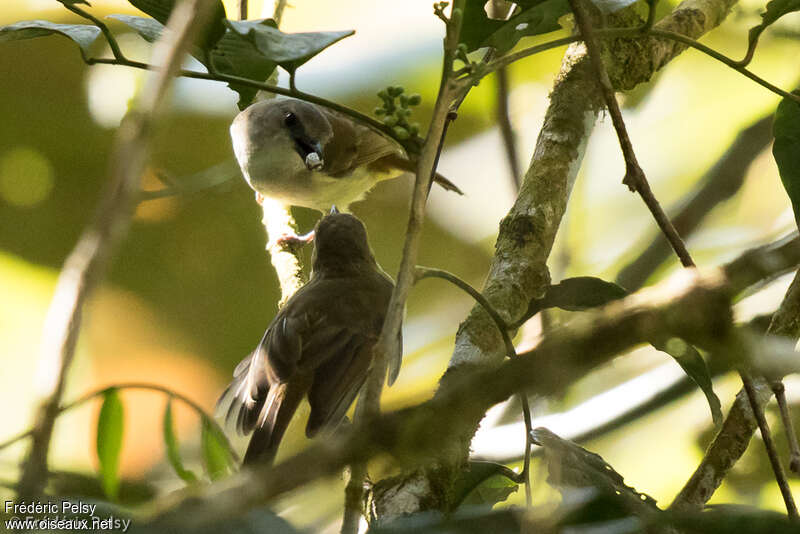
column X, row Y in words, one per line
column 634, row 178
column 242, row 9
column 766, row 435
column 86, row 265
column 442, row 113
column 719, row 184
column 112, row 41
column 427, row 272
column 788, row 425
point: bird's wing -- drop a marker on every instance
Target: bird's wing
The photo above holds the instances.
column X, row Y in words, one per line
column 337, row 382
column 354, row 145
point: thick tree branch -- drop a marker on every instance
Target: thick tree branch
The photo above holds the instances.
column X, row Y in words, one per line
column 86, row 265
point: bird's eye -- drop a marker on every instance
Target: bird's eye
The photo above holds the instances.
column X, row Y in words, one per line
column 290, row 119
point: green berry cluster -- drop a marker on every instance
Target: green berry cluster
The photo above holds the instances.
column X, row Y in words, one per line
column 396, row 110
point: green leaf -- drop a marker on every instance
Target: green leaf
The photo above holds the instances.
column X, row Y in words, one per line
column 694, row 365
column 171, row 443
column 571, row 466
column 535, row 18
column 216, row 456
column 161, row 9
column 289, row 50
column 110, row 427
column 786, row 149
column 775, row 10
column 483, row 483
column 149, row 29
column 232, row 55
column 82, row 34
column 580, row 293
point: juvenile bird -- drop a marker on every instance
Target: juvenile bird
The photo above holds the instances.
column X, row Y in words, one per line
column 302, row 154
column 320, row 344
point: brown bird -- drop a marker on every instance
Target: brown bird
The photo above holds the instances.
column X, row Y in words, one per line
column 302, row 154
column 320, row 344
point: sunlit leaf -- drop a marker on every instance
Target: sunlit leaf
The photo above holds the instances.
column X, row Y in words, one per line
column 581, row 293
column 289, row 50
column 161, row 9
column 110, row 427
column 786, row 150
column 483, row 483
column 82, row 34
column 694, row 365
column 535, row 18
column 571, row 466
column 171, row 443
column 149, row 29
column 216, row 456
column 232, row 55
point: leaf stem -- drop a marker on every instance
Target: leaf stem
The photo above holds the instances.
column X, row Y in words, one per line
column 112, row 41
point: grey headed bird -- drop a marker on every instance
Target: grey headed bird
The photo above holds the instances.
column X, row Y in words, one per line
column 302, row 154
column 319, row 345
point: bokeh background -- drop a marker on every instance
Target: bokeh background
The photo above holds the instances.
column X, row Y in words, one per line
column 191, row 289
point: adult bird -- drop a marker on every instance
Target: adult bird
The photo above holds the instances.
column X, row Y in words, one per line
column 302, row 154
column 319, row 345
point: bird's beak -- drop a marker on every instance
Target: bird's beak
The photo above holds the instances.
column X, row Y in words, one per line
column 334, row 210
column 314, row 160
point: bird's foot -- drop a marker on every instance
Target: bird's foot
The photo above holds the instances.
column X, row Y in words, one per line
column 289, row 239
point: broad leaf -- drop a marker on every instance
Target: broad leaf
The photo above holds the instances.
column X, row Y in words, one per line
column 216, row 457
column 581, row 293
column 775, row 10
column 786, row 150
column 232, row 55
column 82, row 34
column 161, row 9
column 694, row 365
column 171, row 443
column 289, row 50
column 535, row 18
column 571, row 466
column 149, row 29
column 483, row 483
column 110, row 426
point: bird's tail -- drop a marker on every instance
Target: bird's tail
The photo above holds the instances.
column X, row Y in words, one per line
column 279, row 407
